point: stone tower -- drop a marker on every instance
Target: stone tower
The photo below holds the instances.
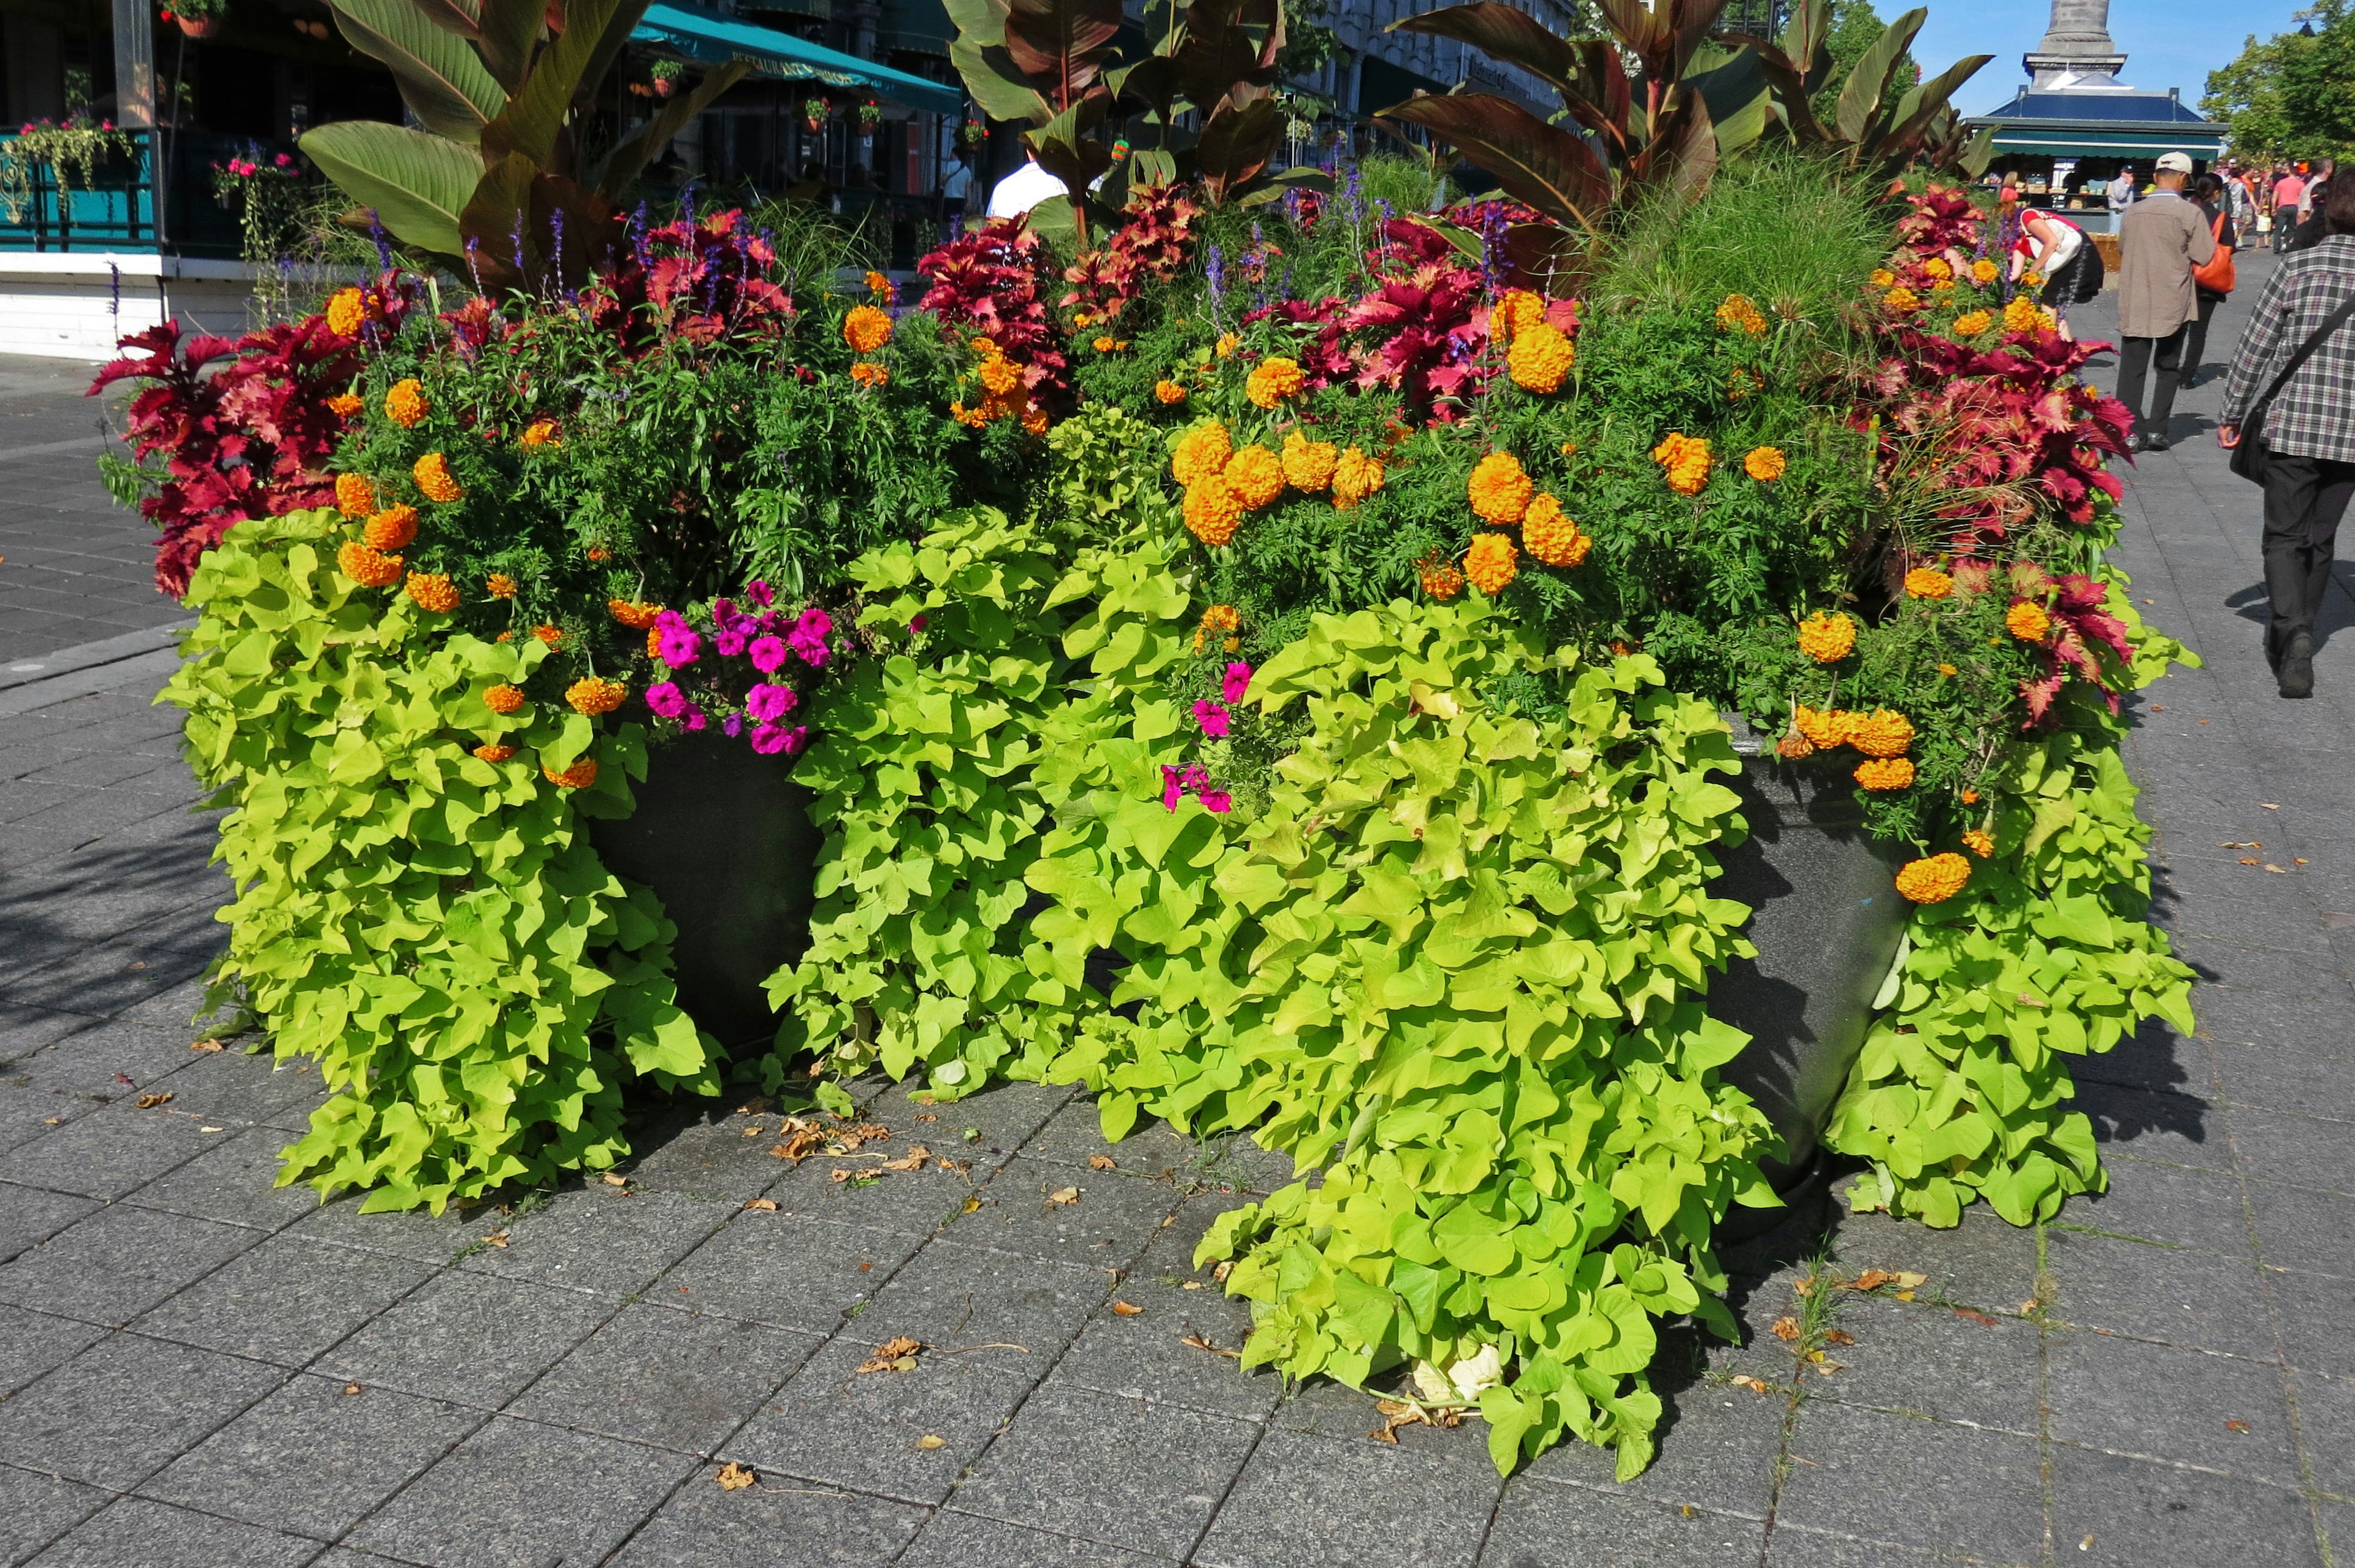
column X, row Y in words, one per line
column 2076, row 49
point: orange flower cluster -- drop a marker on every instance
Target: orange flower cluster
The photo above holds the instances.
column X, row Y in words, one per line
column 1257, row 475
column 1938, row 268
column 1540, row 359
column 866, row 329
column 1979, row 842
column 1355, row 477
column 580, row 775
column 1500, row 489
column 1884, row 775
column 499, row 585
column 539, row 433
column 1004, row 393
column 1928, row 583
column 1201, row 453
column 1737, row 314
column 1222, row 621
column 867, row 373
column 1765, row 463
column 1489, row 564
column 1272, row 380
column 433, row 591
column 491, row 753
column 1168, row 392
column 1884, row 732
column 550, row 635
column 595, row 694
column 1741, row 384
column 1984, row 271
column 344, row 405
column 1309, row 464
column 504, row 700
column 1935, row 880
column 1549, row 534
column 1902, row 300
column 1973, row 324
column 390, row 528
column 1517, row 311
column 2024, row 314
column 366, row 565
column 2027, row 622
column 636, row 615
column 1222, row 483
column 1826, row 638
column 347, row 312
column 1686, row 460
column 1440, row 578
column 881, row 287
column 355, row 496
column 405, row 404
column 431, row 473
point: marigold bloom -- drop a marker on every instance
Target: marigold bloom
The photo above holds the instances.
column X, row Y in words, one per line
column 552, row 636
column 1168, row 392
column 505, row 700
column 1902, row 299
column 1540, row 358
column 1355, row 477
column 1257, row 475
column 1102, row 344
column 1228, row 344
column 499, row 585
column 999, row 375
column 1883, row 775
column 2023, row 314
column 1736, row 314
column 539, row 433
column 2027, row 622
column 1936, row 880
column 1937, row 267
column 877, row 283
column 1947, row 669
column 595, row 694
column 1973, row 324
column 1500, row 490
column 635, row 615
column 1765, row 463
column 405, row 404
column 1686, row 460
column 1550, row 535
column 346, row 310
column 1979, row 842
column 355, row 496
column 432, row 475
column 1034, row 421
column 1826, row 730
column 1212, row 510
column 1985, row 272
column 1219, row 620
column 866, row 329
column 390, row 528
column 433, row 591
column 344, row 405
column 1309, row 464
column 599, row 554
column 1488, row 565
column 867, row 373
column 1884, row 732
column 366, row 565
column 580, row 775
column 1795, row 747
column 1201, row 454
column 1928, row 583
column 1882, row 278
column 1272, row 380
column 491, row 753
column 1440, row 578
column 653, row 642
column 1739, row 384
column 1517, row 311
column 1826, row 638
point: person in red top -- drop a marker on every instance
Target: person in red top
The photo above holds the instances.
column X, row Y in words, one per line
column 2056, row 251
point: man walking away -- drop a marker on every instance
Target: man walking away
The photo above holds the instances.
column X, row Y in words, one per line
column 2160, row 240
column 2212, row 281
column 2310, row 430
column 2122, row 195
column 2309, row 205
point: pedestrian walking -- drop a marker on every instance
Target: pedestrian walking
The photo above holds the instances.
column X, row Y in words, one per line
column 2121, row 196
column 2309, row 204
column 2213, row 280
column 2288, row 190
column 2160, row 240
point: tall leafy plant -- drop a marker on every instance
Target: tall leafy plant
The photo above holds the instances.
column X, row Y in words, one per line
column 1876, row 120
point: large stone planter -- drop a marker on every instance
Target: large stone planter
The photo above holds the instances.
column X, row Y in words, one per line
column 723, row 837
column 1828, row 919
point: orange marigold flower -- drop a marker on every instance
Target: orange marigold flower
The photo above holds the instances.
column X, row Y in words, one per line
column 1795, row 747
column 539, row 433
column 2024, row 314
column 595, row 694
column 1201, row 454
column 1936, row 880
column 999, row 375
column 1541, row 358
column 1740, row 383
column 1928, row 583
column 2027, row 622
column 866, row 373
column 631, row 613
column 653, row 642
column 366, row 565
column 1949, row 670
column 552, row 636
column 1212, row 510
column 877, row 283
column 1985, row 272
column 1257, row 475
column 1102, row 344
column 1979, row 842
column 1937, row 267
column 344, row 405
column 355, row 496
column 1882, row 774
column 1902, row 299
column 432, row 475
column 1826, row 730
column 1550, row 535
column 580, row 775
column 1309, row 464
column 1686, row 460
column 1765, row 463
column 390, row 528
column 599, row 554
column 347, row 312
column 1034, row 420
column 866, row 329
column 1883, row 278
column 1826, row 638
column 1272, row 380
column 499, row 585
column 1884, row 732
column 405, row 404
column 1500, row 490
column 1970, row 797
column 505, row 700
column 1488, row 565
column 1228, row 344
column 433, row 591
column 1168, row 391
column 1442, row 579
column 1517, row 311
column 1736, row 314
column 1355, row 477
column 491, row 753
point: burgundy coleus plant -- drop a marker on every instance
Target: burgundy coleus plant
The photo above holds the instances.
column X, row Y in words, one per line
column 1942, row 219
column 2082, row 630
column 1419, row 329
column 992, row 283
column 1157, row 241
column 695, row 280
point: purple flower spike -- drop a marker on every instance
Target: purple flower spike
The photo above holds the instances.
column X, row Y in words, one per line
column 1237, row 682
column 1212, row 717
column 768, row 653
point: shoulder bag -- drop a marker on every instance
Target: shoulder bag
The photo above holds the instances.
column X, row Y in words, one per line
column 2216, row 272
column 2251, row 456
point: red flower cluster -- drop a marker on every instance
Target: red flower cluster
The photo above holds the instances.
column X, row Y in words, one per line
column 1943, row 219
column 1150, row 248
column 993, row 283
column 249, row 440
column 706, row 281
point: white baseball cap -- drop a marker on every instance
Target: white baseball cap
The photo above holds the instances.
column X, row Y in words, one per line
column 2174, row 164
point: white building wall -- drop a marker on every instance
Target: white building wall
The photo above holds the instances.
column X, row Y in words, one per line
column 75, row 306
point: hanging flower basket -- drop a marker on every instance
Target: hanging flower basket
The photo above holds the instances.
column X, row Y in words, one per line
column 870, row 114
column 665, row 77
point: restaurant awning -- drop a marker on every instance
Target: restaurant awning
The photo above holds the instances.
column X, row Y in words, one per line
column 716, row 40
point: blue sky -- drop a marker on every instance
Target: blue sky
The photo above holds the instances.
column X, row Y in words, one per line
column 2168, row 43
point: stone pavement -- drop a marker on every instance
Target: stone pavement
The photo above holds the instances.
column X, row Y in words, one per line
column 198, row 1369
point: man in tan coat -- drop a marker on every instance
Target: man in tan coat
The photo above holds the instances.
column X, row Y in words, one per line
column 2160, row 240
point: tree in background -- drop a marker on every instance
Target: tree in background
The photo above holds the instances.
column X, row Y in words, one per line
column 2292, row 95
column 1856, row 28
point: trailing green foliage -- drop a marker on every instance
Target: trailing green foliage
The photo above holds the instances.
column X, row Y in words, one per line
column 431, row 928
column 1962, row 1089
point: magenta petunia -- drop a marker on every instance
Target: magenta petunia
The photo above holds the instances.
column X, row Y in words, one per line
column 1173, row 788
column 697, row 719
column 1216, row 800
column 766, row 701
column 768, row 653
column 1212, row 717
column 770, row 739
column 808, row 638
column 1238, row 681
column 677, row 646
column 731, row 726
column 916, row 626
column 759, row 592
column 730, row 642
column 666, row 699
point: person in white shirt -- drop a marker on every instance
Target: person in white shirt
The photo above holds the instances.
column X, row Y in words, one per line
column 1025, row 189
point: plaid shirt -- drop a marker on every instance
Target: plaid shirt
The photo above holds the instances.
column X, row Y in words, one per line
column 2314, row 416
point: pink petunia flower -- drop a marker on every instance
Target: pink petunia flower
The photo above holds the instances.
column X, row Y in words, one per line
column 766, row 701
column 1212, row 717
column 768, row 653
column 666, row 699
column 1238, row 681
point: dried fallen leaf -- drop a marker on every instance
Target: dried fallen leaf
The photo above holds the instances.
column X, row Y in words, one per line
column 1839, row 1336
column 1126, row 1308
column 1100, row 1162
column 149, row 1102
column 750, row 1131
column 912, row 1160
column 53, row 1121
column 2298, row 862
column 928, row 1442
column 2276, row 870
column 204, row 1045
column 212, row 1129
column 1224, row 1269
column 2087, row 1544
column 768, row 1205
column 1805, row 1287
column 1904, row 1296
column 1191, row 1285
column 895, row 1355
column 1786, row 1329
column 928, row 1117
column 497, row 1239
column 1874, row 1278
column 2029, row 1305
column 2240, row 844
column 2269, row 805
column 1201, row 1344
column 613, row 1180
column 2248, row 860
column 352, row 1387
column 971, row 1203
column 733, row 1476
column 1063, row 1197
column 1755, row 1385
column 1980, row 1318
column 2236, row 1426
column 800, row 1147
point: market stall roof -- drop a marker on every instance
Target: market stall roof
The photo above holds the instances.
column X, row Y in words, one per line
column 2101, row 122
column 716, row 40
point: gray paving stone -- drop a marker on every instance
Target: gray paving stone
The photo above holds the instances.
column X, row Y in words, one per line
column 2157, row 1060
column 2169, row 1203
column 516, row 1495
column 2126, row 1513
column 2326, row 1419
column 953, row 1295
column 27, row 1113
column 126, row 1407
column 231, row 1181
column 956, row 1540
column 1074, row 1135
column 2317, row 1318
column 31, row 1215
column 604, row 1240
column 2126, row 1396
column 35, row 1509
column 311, row 1459
column 155, row 1535
column 918, row 1202
column 1717, row 1448
column 1305, row 1501
column 1914, row 1482
column 2173, row 1127
column 32, row 1343
column 672, row 1379
column 116, row 1264
column 1934, row 1361
column 1146, row 1356
column 1981, row 1262
column 776, row 1521
column 24, row 1029
column 1792, row 1546
column 1107, row 1226
column 1122, row 1471
column 2181, row 1296
column 232, row 1087
column 2296, row 1150
column 468, row 1338
column 286, row 1301
column 792, row 1272
column 109, row 1153
column 2302, row 1228
column 435, row 1239
column 108, row 1060
column 2283, row 1078
column 1007, row 1116
column 712, row 1160
column 1540, row 1525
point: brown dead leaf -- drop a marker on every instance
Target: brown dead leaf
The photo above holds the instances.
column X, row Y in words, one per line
column 895, row 1355
column 1827, row 1366
column 1786, row 1329
column 733, row 1476
column 971, row 1203
column 2248, row 860
column 1839, row 1336
column 2236, row 1426
column 1126, row 1308
column 750, row 1130
column 497, row 1239
column 2300, row 862
column 1805, row 1287
column 1224, row 1269
column 929, row 1442
column 352, row 1389
column 205, row 1045
column 2276, row 870
column 1201, row 1344
column 804, row 1143
column 1100, row 1162
column 1063, row 1196
column 149, row 1102
column 2269, row 805
column 1755, row 1385
column 767, row 1205
column 1874, row 1278
column 1904, row 1296
column 912, row 1160
column 53, row 1121
column 1191, row 1285
column 1978, row 1317
column 928, row 1117
column 2240, row 844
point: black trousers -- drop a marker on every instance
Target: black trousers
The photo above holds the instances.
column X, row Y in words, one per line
column 2304, row 498
column 2134, row 368
column 2197, row 345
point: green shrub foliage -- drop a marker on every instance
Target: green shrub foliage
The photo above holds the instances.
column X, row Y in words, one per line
column 432, row 929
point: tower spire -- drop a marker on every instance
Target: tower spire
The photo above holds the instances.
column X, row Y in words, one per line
column 2076, row 49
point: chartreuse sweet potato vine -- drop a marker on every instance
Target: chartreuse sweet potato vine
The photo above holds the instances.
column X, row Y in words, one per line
column 432, row 928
